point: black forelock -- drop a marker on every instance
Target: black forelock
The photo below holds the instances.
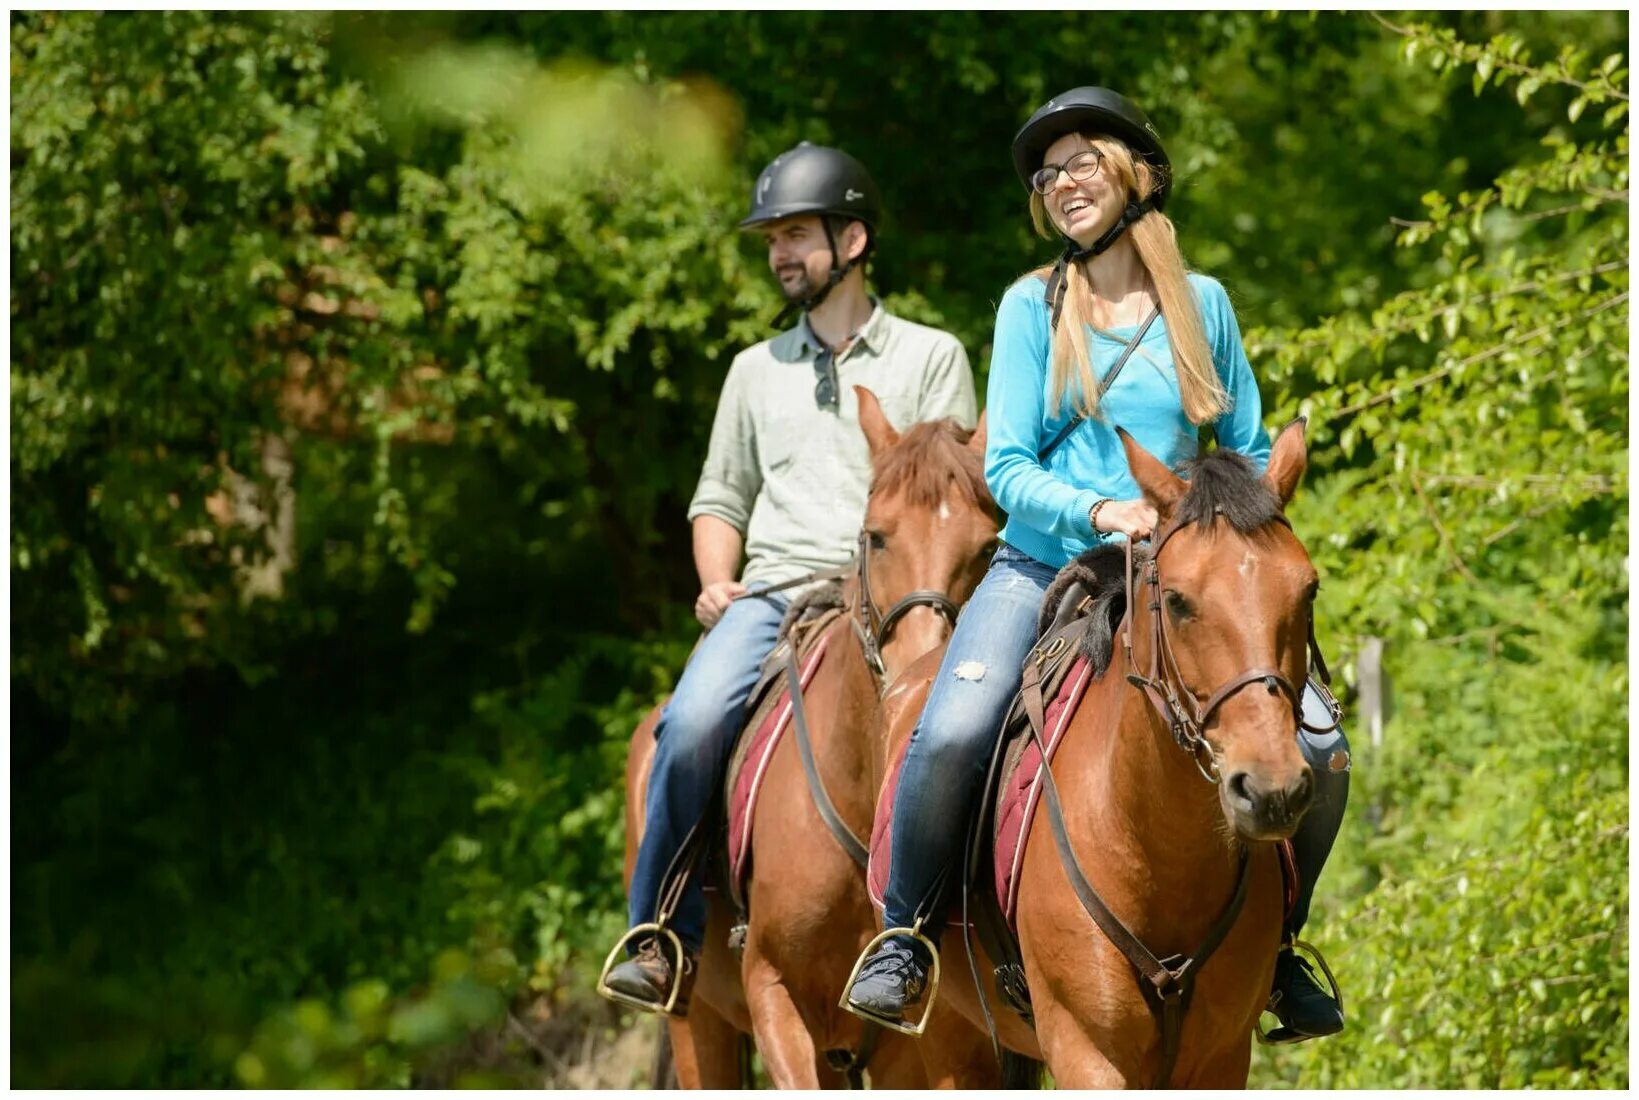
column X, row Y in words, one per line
column 1225, row 483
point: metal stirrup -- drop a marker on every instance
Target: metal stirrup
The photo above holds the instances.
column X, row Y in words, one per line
column 932, row 992
column 666, row 936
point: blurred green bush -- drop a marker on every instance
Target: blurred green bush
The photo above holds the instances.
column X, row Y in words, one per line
column 362, row 366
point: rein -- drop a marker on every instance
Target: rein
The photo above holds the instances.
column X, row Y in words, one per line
column 1167, row 984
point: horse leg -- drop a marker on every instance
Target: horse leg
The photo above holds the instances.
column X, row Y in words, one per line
column 950, row 1054
column 663, row 1067
column 968, row 1066
column 1229, row 1070
column 897, row 1063
column 705, row 1049
column 782, row 1036
column 1076, row 1060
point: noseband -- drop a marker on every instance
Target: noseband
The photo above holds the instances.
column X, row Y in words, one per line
column 1172, row 698
column 874, row 632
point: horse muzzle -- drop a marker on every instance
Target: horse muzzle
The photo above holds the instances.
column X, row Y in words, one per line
column 1262, row 810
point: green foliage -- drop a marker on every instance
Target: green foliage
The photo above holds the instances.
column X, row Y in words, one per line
column 362, row 366
column 1476, row 525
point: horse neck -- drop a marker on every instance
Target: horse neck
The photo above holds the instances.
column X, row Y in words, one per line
column 1173, row 854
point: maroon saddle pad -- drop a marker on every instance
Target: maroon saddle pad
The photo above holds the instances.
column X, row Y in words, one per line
column 748, row 781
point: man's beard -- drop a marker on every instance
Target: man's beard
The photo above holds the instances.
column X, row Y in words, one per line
column 799, row 291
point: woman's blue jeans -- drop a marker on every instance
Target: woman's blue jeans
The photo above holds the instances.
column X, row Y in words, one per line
column 951, row 745
column 696, row 733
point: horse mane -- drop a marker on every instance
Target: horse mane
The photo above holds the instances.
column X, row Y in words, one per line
column 929, row 458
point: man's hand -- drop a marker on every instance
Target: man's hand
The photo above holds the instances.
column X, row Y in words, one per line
column 714, row 600
column 1134, row 518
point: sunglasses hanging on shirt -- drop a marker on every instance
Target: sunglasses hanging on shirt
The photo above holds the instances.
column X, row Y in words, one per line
column 825, row 381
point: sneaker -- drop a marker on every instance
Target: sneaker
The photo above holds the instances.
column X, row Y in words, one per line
column 892, row 979
column 1304, row 1007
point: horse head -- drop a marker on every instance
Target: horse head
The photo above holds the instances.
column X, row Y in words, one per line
column 1228, row 645
column 929, row 530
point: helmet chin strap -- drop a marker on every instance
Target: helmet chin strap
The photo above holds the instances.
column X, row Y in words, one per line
column 1074, row 253
column 838, row 273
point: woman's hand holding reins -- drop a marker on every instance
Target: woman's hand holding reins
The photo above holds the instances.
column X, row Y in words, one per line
column 1134, row 518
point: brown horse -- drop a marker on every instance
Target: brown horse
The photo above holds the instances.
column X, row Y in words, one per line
column 928, row 528
column 1161, row 847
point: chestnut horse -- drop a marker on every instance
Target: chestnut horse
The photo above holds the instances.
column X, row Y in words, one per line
column 1161, row 847
column 929, row 528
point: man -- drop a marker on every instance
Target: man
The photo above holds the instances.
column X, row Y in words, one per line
column 785, row 482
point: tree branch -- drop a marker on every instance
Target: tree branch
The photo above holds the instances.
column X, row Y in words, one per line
column 1597, row 483
column 1509, row 528
column 1570, row 208
column 1396, row 391
column 1602, row 195
column 1406, row 323
column 1439, row 529
column 1501, row 63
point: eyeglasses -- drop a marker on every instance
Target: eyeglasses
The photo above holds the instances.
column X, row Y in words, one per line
column 1082, row 166
column 825, row 382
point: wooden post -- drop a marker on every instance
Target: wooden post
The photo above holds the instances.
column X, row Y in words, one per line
column 1373, row 689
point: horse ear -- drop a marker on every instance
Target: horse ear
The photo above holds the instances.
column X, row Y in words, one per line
column 1161, row 486
column 1287, row 460
column 976, row 444
column 879, row 434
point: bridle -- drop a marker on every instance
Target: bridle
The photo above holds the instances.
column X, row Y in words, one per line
column 876, row 627
column 1164, row 685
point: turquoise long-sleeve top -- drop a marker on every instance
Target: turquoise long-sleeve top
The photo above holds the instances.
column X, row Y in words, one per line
column 1048, row 502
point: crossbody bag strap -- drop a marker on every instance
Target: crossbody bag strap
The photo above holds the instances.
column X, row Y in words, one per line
column 1103, row 386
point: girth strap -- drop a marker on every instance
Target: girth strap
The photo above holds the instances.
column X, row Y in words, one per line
column 816, row 787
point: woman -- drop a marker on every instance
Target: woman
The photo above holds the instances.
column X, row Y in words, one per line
column 1117, row 332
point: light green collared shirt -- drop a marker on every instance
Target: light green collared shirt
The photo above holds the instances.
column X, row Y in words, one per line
column 791, row 476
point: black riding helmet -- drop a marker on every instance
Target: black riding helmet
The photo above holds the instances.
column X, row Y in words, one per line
column 816, row 179
column 1096, row 111
column 1092, row 110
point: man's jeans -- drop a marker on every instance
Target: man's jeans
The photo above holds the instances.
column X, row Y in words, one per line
column 694, row 738
column 951, row 745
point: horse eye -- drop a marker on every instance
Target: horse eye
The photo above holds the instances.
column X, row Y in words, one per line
column 1178, row 606
column 877, row 540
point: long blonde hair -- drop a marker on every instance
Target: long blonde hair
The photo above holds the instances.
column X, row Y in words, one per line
column 1156, row 240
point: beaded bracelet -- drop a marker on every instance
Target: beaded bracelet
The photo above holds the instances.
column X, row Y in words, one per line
column 1092, row 515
